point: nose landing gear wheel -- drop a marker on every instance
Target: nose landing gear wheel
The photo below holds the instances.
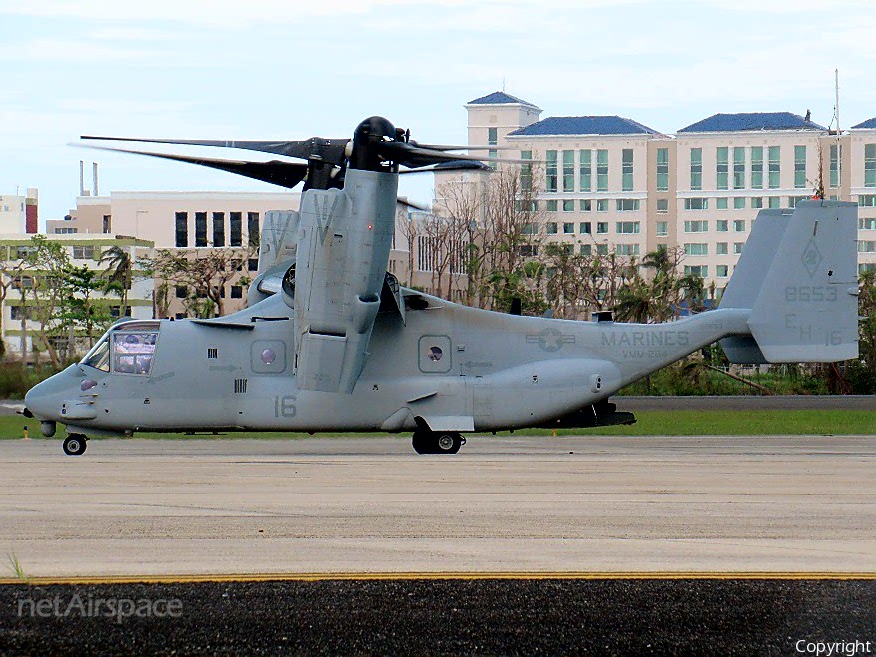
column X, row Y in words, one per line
column 430, row 442
column 75, row 444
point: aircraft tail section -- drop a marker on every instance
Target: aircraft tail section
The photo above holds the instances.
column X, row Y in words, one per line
column 798, row 274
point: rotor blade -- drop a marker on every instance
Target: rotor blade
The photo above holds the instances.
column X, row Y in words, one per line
column 445, row 167
column 315, row 148
column 416, row 156
column 284, row 174
column 412, row 205
column 469, row 147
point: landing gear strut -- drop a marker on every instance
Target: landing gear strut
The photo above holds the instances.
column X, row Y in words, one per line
column 75, row 444
column 436, row 442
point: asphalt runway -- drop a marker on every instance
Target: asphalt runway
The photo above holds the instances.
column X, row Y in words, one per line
column 504, row 504
column 517, row 545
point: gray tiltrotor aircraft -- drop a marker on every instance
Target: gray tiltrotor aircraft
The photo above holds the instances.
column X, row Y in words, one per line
column 331, row 342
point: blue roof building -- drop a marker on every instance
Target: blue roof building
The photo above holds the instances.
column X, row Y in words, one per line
column 753, row 121
column 584, row 125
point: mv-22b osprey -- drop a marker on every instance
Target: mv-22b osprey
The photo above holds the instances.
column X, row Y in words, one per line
column 331, row 342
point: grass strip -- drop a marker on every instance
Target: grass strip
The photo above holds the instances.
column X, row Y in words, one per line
column 650, row 423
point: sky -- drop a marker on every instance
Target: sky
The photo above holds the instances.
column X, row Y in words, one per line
column 282, row 69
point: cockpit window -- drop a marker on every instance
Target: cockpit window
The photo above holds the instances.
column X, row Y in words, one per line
column 133, row 351
column 98, row 357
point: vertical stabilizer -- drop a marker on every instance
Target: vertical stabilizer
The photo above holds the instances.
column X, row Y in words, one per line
column 807, row 307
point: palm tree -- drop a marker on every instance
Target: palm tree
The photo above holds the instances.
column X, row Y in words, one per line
column 119, row 274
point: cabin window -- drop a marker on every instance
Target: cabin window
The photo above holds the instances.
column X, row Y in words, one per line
column 98, row 357
column 133, row 351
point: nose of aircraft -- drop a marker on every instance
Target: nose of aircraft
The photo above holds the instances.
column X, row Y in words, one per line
column 44, row 399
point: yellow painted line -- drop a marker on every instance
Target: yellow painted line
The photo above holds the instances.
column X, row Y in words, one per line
column 434, row 576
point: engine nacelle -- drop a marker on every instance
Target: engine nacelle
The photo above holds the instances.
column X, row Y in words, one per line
column 344, row 239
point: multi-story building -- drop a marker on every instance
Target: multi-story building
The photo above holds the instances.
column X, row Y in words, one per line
column 611, row 184
column 19, row 319
column 196, row 222
column 19, row 214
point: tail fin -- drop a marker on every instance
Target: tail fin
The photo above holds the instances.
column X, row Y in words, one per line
column 798, row 274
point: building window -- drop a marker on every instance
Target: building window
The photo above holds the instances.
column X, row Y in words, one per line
column 774, row 153
column 584, row 171
column 492, row 136
column 757, row 167
column 526, row 171
column 836, row 153
column 721, row 203
column 774, row 202
column 252, row 228
column 252, row 264
column 738, row 167
column 721, row 167
column 722, row 225
column 662, row 206
column 739, row 203
column 627, row 227
column 602, row 205
column 602, row 249
column 701, row 226
column 869, row 165
column 739, row 225
column 182, row 229
column 627, row 169
column 721, row 248
column 866, row 246
column 585, row 205
column 737, row 247
column 568, row 171
column 799, row 166
column 601, row 227
column 200, row 229
column 662, row 228
column 794, row 200
column 756, row 202
column 584, row 228
column 601, row 170
column 550, row 171
column 696, row 270
column 696, row 249
column 107, row 223
column 867, row 223
column 218, row 229
column 181, row 291
column 568, row 205
column 867, row 200
column 235, row 221
column 83, row 252
column 584, row 250
column 696, row 204
column 552, row 205
column 662, row 169
column 696, row 168
column 626, row 249
column 552, row 228
column 627, row 204
column 236, row 291
column 721, row 271
column 568, row 228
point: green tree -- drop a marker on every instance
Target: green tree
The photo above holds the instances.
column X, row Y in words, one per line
column 118, row 275
column 81, row 312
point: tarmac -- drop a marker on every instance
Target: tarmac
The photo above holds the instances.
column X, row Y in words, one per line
column 516, row 545
column 503, row 504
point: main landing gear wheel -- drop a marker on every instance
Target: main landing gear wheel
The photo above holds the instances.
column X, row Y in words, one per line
column 75, row 444
column 431, row 442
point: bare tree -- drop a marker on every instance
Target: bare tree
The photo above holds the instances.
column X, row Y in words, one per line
column 204, row 274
